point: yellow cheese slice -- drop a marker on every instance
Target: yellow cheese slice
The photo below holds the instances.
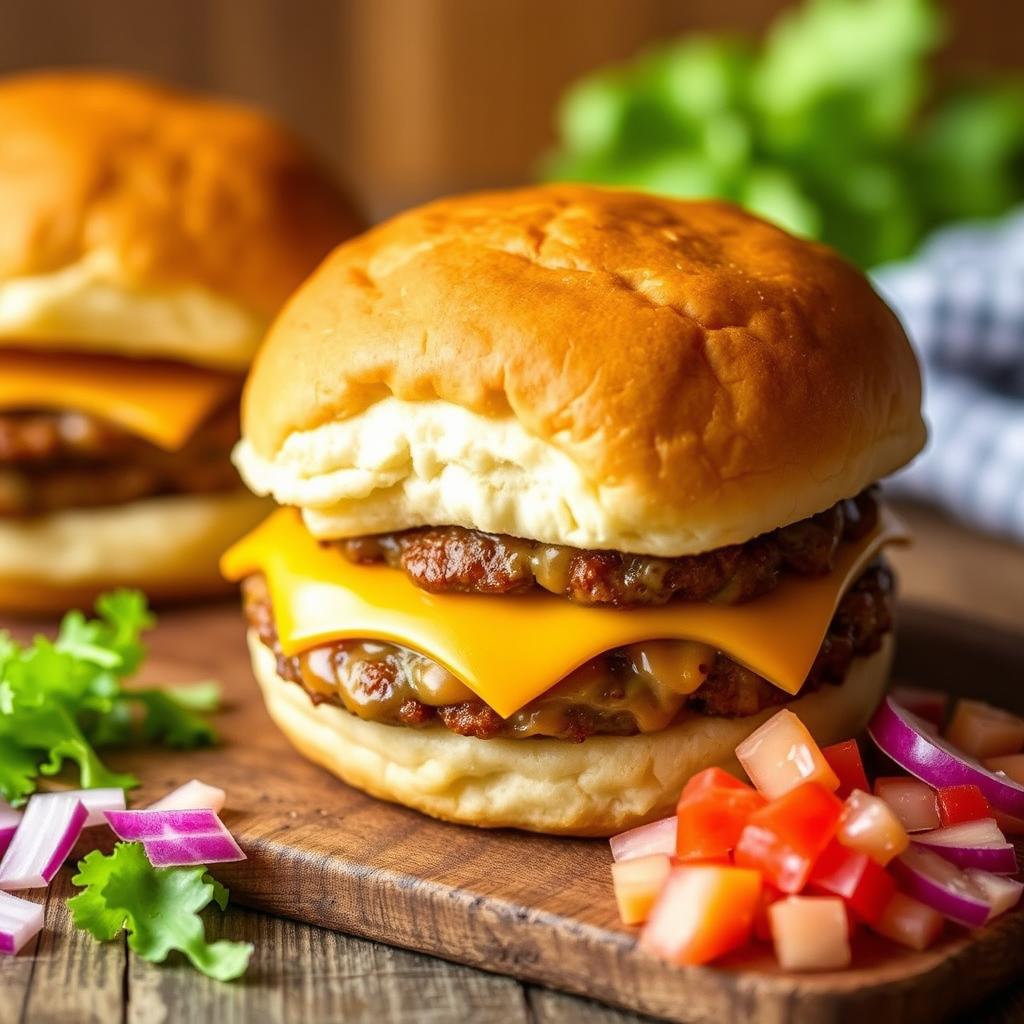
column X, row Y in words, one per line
column 509, row 650
column 162, row 402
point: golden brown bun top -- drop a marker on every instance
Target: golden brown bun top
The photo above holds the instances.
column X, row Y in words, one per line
column 179, row 188
column 691, row 361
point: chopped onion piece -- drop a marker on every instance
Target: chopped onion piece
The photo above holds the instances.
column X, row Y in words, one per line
column 781, row 754
column 97, row 801
column 48, row 830
column 981, row 730
column 910, row 800
column 973, row 844
column 193, row 796
column 20, row 921
column 9, row 819
column 174, row 838
column 870, row 826
column 929, row 878
column 1002, row 893
column 810, row 933
column 909, row 922
column 917, row 749
column 657, row 837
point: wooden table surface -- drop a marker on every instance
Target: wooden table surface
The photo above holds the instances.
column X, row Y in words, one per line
column 307, row 974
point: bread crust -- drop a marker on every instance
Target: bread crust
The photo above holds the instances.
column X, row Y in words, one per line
column 595, row 788
column 169, row 547
column 585, row 366
column 120, row 192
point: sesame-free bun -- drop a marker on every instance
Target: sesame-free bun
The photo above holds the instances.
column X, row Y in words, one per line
column 167, row 546
column 146, row 221
column 582, row 366
column 595, row 788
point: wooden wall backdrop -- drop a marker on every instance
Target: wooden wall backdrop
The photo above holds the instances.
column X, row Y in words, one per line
column 409, row 98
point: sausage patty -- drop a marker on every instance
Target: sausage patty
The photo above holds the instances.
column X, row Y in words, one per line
column 446, row 559
column 54, row 460
column 620, row 692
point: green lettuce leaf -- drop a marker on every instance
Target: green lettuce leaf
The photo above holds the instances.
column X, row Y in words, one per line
column 62, row 700
column 158, row 908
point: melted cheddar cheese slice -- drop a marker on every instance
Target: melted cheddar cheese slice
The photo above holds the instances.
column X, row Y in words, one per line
column 162, row 402
column 509, row 650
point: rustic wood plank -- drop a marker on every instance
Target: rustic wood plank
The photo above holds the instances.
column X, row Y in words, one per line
column 326, row 854
column 307, row 974
column 76, row 978
column 550, row 1007
column 16, row 973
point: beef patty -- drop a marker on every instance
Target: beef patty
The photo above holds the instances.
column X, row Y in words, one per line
column 445, row 559
column 54, row 460
column 639, row 688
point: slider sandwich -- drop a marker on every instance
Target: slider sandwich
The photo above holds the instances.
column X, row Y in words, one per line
column 149, row 236
column 579, row 488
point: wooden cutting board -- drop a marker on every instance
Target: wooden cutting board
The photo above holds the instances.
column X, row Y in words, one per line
column 540, row 909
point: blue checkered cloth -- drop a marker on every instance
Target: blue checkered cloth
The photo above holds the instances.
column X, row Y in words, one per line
column 961, row 299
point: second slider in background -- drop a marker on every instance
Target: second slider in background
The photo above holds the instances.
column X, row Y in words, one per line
column 149, row 236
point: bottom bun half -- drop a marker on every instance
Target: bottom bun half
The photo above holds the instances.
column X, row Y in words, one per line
column 169, row 547
column 595, row 788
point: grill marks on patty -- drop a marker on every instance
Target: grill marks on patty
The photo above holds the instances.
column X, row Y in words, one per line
column 452, row 559
column 54, row 460
column 612, row 694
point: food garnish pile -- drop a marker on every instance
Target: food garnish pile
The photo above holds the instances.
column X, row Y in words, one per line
column 61, row 701
column 809, row 854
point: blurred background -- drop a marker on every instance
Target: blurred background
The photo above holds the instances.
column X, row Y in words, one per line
column 413, row 98
column 871, row 124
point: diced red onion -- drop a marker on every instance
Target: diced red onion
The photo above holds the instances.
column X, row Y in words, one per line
column 9, row 819
column 192, row 796
column 1002, row 893
column 917, row 749
column 656, row 837
column 173, row 838
column 924, row 875
column 97, row 801
column 973, row 844
column 20, row 922
column 49, row 828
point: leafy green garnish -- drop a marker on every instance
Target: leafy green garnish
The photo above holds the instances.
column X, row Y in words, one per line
column 832, row 127
column 158, row 907
column 61, row 700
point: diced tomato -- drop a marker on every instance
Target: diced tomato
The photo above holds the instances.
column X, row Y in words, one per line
column 637, row 885
column 781, row 755
column 762, row 925
column 811, row 933
column 785, row 838
column 855, row 878
column 844, row 759
column 911, row 801
column 702, row 913
column 909, row 922
column 931, row 705
column 712, row 811
column 870, row 825
column 712, row 778
column 981, row 730
column 961, row 803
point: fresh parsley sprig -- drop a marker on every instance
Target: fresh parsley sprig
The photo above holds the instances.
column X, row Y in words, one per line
column 61, row 700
